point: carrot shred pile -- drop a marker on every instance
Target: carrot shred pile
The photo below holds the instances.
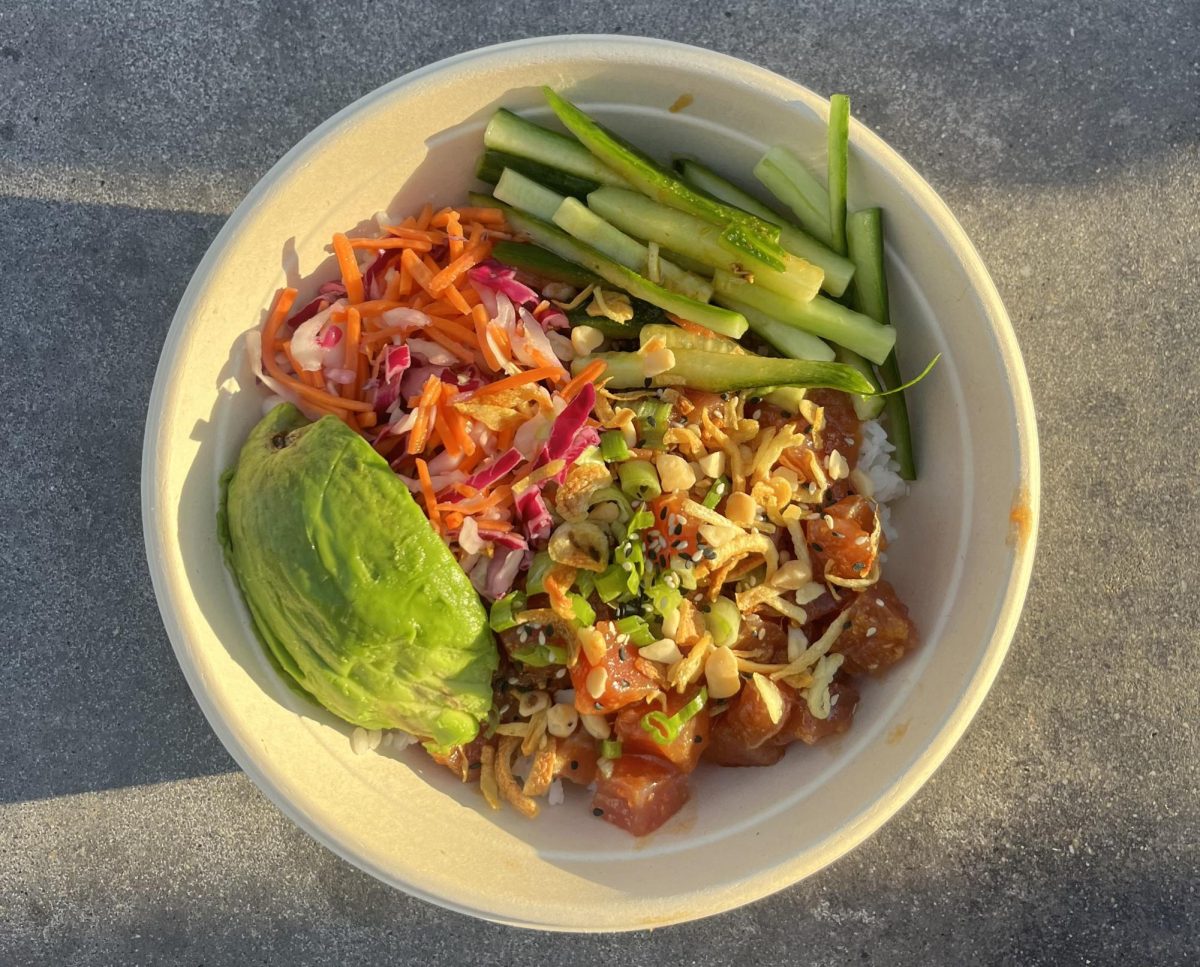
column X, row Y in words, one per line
column 412, row 282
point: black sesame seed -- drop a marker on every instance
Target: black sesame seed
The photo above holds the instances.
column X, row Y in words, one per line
column 858, row 565
column 651, row 421
column 597, row 811
column 678, row 530
column 817, row 547
column 574, row 764
column 698, row 739
column 597, row 705
column 647, row 382
column 624, row 655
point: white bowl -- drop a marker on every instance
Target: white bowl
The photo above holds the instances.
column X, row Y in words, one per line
column 959, row 562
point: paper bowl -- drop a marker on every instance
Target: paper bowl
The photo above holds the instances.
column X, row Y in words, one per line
column 960, row 562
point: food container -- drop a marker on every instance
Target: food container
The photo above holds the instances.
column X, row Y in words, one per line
column 961, row 559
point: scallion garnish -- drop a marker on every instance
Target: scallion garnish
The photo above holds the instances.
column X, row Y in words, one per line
column 664, row 729
column 719, row 488
column 613, row 447
column 504, row 610
column 610, row 749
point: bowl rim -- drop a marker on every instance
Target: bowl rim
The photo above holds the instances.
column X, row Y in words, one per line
column 958, row 718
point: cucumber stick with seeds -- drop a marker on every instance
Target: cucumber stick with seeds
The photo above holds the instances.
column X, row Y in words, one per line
column 550, row 236
column 695, row 238
column 785, row 176
column 864, row 237
column 662, row 185
column 512, row 134
column 820, row 317
column 838, row 270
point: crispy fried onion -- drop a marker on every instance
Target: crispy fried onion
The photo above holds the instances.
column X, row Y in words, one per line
column 773, row 598
column 575, row 493
column 716, row 438
column 541, row 770
column 564, row 628
column 769, row 448
column 738, row 549
column 690, row 667
column 686, row 440
column 817, row 694
column 818, row 649
column 507, row 783
column 579, row 544
column 557, row 582
column 487, row 776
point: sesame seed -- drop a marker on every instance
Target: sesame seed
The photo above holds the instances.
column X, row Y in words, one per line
column 598, row 811
column 871, row 632
column 879, row 601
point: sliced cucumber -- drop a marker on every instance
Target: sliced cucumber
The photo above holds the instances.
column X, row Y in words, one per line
column 838, row 271
column 865, row 407
column 512, row 134
column 726, row 372
column 717, row 247
column 662, row 185
column 546, row 265
column 576, row 219
column 786, row 177
column 492, row 164
column 515, row 189
column 788, row 340
column 677, row 338
column 552, row 237
column 821, row 317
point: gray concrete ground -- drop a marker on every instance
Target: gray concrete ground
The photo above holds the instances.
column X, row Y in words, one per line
column 1063, row 830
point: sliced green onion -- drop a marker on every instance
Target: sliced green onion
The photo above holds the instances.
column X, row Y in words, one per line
column 632, row 563
column 723, row 621
column 585, row 581
column 638, row 630
column 610, row 748
column 538, row 569
column 719, row 488
column 583, row 611
column 683, row 570
column 664, row 729
column 611, row 583
column 539, row 656
column 503, row 614
column 615, row 496
column 653, row 418
column 641, row 519
column 613, row 447
column 639, row 479
column 664, row 599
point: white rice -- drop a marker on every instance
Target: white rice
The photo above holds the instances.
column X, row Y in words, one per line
column 554, row 796
column 876, row 461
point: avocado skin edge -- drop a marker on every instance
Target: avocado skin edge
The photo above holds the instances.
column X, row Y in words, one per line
column 353, row 594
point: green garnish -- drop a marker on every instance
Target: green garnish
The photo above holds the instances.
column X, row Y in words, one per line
column 610, row 748
column 638, row 630
column 664, row 729
column 719, row 488
column 613, row 447
column 503, row 614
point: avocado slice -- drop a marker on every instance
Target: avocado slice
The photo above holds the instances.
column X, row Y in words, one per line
column 352, row 592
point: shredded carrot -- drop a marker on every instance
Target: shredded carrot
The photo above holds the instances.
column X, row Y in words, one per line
column 375, row 306
column 518, row 379
column 450, row 345
column 480, row 317
column 478, row 505
column 443, row 428
column 458, row 428
column 283, row 304
column 590, row 373
column 451, row 273
column 456, row 329
column 303, row 374
column 431, row 507
column 691, row 327
column 419, row 270
column 455, row 298
column 351, row 276
column 504, row 438
column 384, row 244
column 386, row 444
column 472, row 460
column 413, row 234
column 453, row 521
column 488, row 216
column 454, row 235
column 495, row 525
column 405, row 285
column 367, row 420
column 351, row 359
column 442, row 218
column 418, row 438
column 424, row 218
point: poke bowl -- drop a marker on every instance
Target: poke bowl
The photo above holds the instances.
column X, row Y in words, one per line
column 958, row 552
